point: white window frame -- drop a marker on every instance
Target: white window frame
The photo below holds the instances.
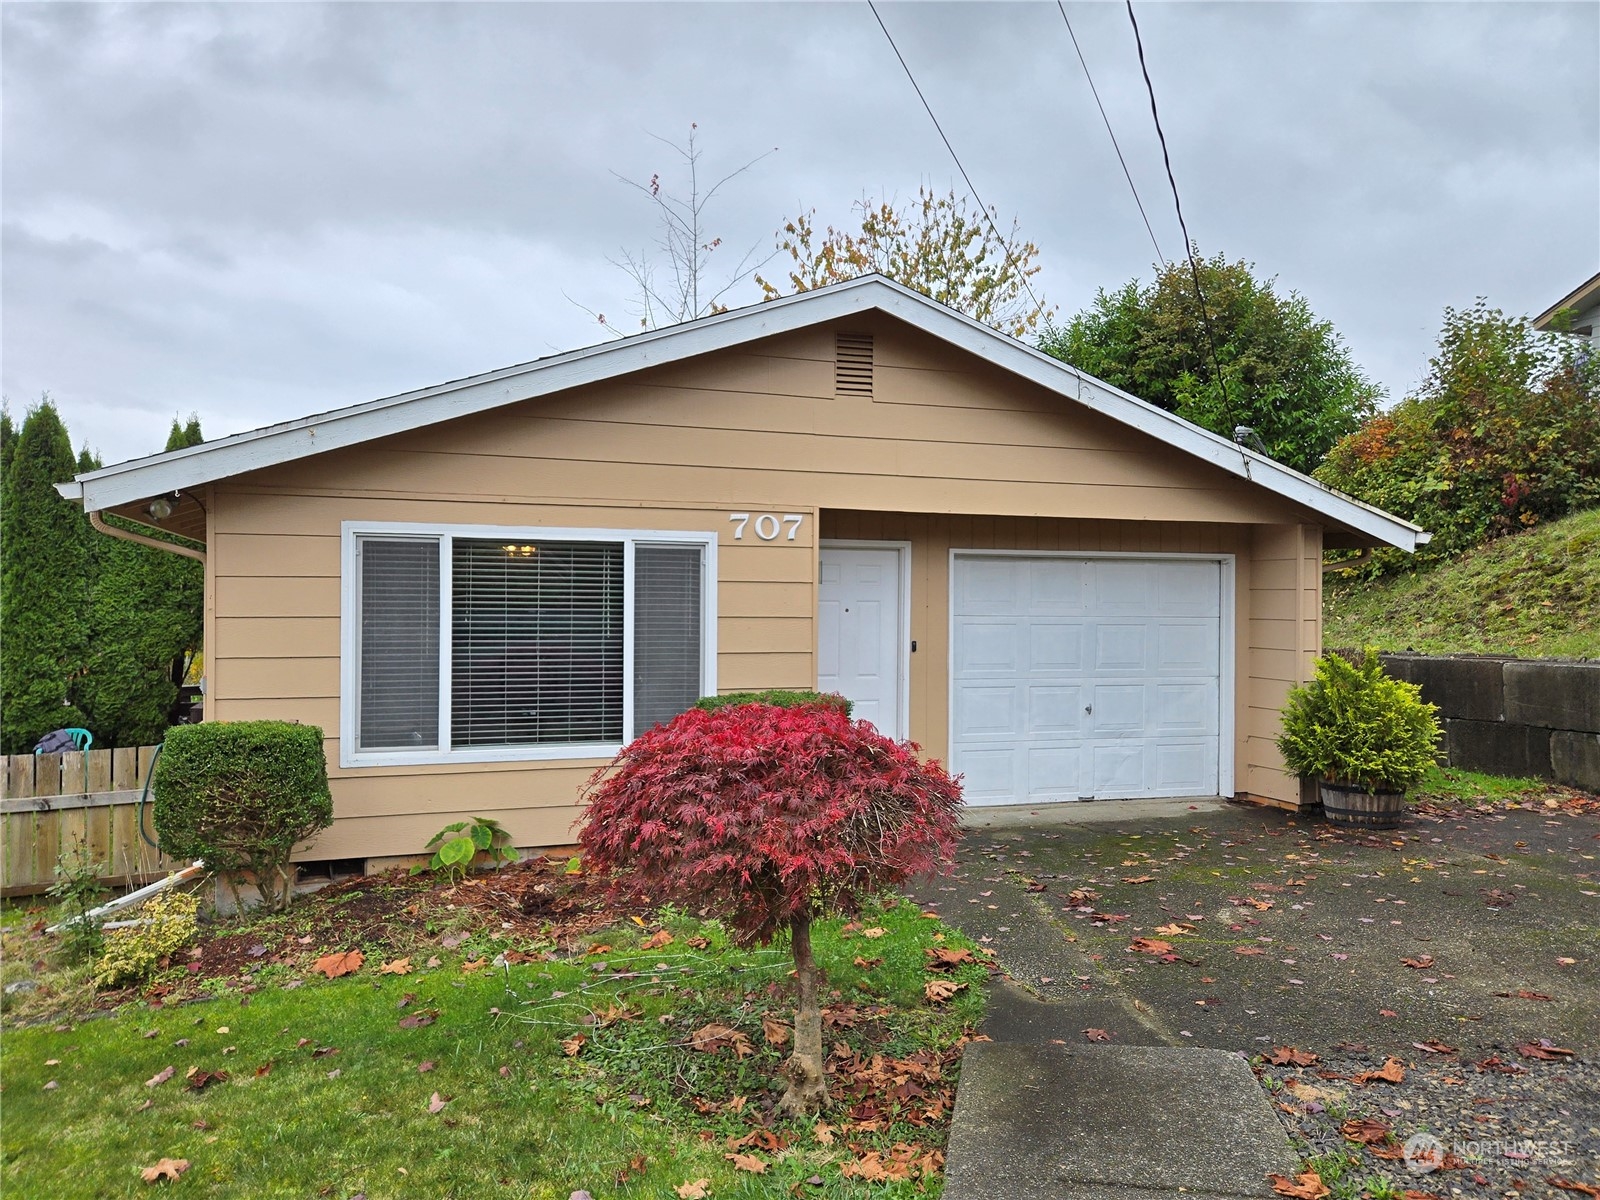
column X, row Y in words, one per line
column 350, row 755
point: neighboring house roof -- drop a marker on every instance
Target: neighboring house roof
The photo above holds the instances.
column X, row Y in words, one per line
column 1582, row 298
column 161, row 474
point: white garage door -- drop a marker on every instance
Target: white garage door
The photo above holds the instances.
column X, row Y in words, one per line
column 1085, row 677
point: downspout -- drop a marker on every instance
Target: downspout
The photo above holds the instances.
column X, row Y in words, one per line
column 128, row 535
column 1348, row 564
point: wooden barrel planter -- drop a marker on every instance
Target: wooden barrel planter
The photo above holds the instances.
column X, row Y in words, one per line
column 1348, row 804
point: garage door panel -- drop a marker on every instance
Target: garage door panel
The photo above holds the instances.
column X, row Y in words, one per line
column 988, row 648
column 1055, row 646
column 1085, row 677
column 989, row 585
column 1184, row 709
column 1053, row 773
column 1187, row 648
column 1190, row 589
column 1182, row 769
column 1054, row 586
column 987, row 712
column 989, row 776
column 1120, row 647
column 1055, row 710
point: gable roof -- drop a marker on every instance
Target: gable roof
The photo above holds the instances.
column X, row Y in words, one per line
column 161, row 474
column 1580, row 298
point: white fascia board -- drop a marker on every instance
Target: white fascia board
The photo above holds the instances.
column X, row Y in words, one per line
column 360, row 423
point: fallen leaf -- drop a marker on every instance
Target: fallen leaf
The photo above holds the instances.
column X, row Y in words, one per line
column 1175, row 929
column 656, row 940
column 573, row 1046
column 1544, row 1049
column 1249, row 951
column 937, row 991
column 713, row 1037
column 335, row 965
column 424, row 1067
column 159, row 1077
column 823, row 1132
column 199, row 1081
column 777, row 1032
column 167, row 1168
column 1433, row 1047
column 866, row 964
column 417, row 1020
column 474, row 964
column 264, row 1069
column 877, row 931
column 436, row 1103
column 400, row 966
column 1289, row 1056
column 693, row 1189
column 697, row 942
column 1366, row 1130
column 1572, row 1185
column 1392, row 1071
column 1097, row 1035
column 1144, row 945
column 1141, row 879
column 1306, row 1186
column 1421, row 963
column 747, row 1162
column 941, row 958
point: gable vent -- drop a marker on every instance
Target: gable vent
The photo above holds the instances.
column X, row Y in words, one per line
column 852, row 365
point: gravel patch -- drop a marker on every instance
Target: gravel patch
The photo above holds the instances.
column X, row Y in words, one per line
column 1507, row 1124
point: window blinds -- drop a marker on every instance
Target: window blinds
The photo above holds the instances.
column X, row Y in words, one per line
column 537, row 631
column 666, row 632
column 399, row 644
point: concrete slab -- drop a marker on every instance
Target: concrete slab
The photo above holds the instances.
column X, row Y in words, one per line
column 1043, row 1122
column 1086, row 812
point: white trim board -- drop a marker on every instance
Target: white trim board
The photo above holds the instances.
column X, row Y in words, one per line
column 903, row 663
column 1227, row 645
column 350, row 757
column 292, row 440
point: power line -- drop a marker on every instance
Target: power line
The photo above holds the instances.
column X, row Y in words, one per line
column 995, row 229
column 1126, row 173
column 1188, row 246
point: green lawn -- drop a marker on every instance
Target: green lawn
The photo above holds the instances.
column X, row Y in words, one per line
column 326, row 1093
column 1534, row 595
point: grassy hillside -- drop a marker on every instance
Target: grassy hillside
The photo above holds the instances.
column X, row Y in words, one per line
column 1535, row 595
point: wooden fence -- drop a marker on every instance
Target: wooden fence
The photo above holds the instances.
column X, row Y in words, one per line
column 49, row 802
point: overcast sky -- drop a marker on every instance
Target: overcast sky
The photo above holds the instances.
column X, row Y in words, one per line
column 255, row 212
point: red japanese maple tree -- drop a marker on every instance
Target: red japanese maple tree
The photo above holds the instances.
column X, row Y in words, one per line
column 770, row 818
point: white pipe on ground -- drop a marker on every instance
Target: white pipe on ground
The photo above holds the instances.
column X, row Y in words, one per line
column 193, row 871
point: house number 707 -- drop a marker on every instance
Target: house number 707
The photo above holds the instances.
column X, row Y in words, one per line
column 767, row 525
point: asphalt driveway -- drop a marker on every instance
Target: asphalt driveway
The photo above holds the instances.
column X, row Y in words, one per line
column 1242, row 928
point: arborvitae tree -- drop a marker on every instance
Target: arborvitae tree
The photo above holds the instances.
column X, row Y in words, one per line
column 146, row 616
column 8, row 442
column 44, row 585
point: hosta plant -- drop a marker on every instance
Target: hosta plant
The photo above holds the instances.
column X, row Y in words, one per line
column 1354, row 725
column 770, row 818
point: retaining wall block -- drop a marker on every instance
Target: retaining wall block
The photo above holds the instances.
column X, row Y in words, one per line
column 1575, row 758
column 1469, row 689
column 1555, row 695
column 1498, row 748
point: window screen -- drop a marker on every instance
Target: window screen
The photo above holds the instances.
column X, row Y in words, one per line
column 536, row 642
column 399, row 634
column 666, row 632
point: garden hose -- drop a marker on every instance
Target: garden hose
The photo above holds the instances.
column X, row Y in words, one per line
column 144, row 797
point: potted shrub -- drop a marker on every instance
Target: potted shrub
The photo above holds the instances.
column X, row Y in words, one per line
column 1364, row 737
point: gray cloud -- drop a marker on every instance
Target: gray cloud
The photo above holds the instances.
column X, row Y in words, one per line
column 258, row 211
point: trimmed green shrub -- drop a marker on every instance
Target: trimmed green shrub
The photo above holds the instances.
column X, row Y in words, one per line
column 136, row 952
column 777, row 697
column 1353, row 724
column 241, row 795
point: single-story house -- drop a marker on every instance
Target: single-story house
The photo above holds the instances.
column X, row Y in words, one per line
column 481, row 590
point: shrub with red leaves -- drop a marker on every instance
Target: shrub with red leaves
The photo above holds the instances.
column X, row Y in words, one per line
column 769, row 818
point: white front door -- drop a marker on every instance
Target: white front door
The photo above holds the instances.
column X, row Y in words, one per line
column 859, row 634
column 1085, row 677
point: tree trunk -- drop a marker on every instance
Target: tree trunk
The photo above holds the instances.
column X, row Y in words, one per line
column 808, row 1089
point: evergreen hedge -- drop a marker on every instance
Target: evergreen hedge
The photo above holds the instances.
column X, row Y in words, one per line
column 242, row 795
column 777, row 697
